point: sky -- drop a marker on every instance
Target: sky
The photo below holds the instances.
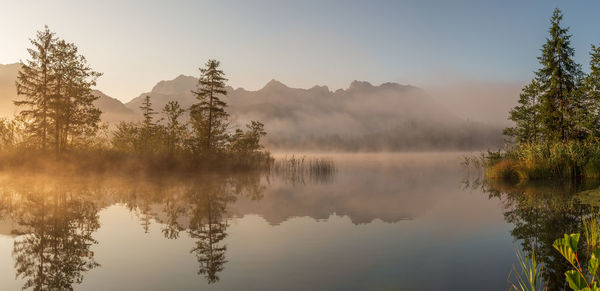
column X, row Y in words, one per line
column 301, row 43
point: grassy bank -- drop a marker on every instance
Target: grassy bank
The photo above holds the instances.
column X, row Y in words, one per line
column 571, row 160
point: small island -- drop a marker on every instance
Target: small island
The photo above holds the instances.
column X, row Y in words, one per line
column 58, row 126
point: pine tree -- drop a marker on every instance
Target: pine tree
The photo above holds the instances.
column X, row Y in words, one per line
column 34, row 84
column 175, row 129
column 74, row 112
column 589, row 111
column 526, row 115
column 56, row 84
column 148, row 125
column 208, row 117
column 249, row 141
column 558, row 77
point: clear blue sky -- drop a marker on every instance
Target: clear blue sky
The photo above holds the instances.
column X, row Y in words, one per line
column 301, row 43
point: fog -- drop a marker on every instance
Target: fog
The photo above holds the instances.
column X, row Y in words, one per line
column 462, row 115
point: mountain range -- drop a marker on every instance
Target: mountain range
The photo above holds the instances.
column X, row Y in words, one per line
column 363, row 116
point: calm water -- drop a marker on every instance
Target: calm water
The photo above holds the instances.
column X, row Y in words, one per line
column 382, row 222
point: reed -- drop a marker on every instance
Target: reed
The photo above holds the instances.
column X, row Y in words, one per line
column 569, row 160
column 529, row 275
column 298, row 169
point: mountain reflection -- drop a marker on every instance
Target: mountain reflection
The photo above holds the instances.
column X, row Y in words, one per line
column 54, row 220
column 541, row 213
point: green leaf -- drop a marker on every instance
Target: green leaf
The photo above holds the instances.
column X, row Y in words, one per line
column 575, row 280
column 567, row 247
column 594, row 262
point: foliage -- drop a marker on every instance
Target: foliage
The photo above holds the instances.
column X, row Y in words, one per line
column 58, row 113
column 526, row 115
column 580, row 277
column 561, row 103
column 55, row 86
column 570, row 160
column 208, row 117
column 175, row 130
column 529, row 277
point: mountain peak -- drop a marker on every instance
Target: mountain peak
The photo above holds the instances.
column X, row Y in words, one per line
column 180, row 83
column 319, row 88
column 396, row 86
column 274, row 84
column 360, row 85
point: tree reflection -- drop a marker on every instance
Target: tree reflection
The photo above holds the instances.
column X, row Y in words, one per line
column 52, row 251
column 197, row 207
column 54, row 220
column 541, row 213
column 208, row 225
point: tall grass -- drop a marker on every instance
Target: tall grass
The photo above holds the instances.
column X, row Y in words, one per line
column 528, row 276
column 591, row 231
column 298, row 169
column 545, row 160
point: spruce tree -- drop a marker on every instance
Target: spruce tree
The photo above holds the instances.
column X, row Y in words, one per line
column 558, row 77
column 148, row 125
column 208, row 117
column 589, row 111
column 175, row 129
column 34, row 82
column 56, row 83
column 526, row 115
column 74, row 112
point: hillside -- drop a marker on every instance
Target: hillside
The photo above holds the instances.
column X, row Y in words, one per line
column 113, row 110
column 362, row 117
column 8, row 90
column 389, row 116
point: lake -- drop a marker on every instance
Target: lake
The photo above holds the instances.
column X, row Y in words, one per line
column 415, row 221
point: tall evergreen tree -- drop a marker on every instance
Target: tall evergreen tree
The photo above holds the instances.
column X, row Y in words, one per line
column 148, row 112
column 589, row 111
column 74, row 112
column 208, row 117
column 148, row 125
column 558, row 77
column 175, row 129
column 34, row 84
column 56, row 83
column 526, row 115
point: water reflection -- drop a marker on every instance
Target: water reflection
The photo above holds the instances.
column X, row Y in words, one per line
column 54, row 220
column 54, row 228
column 541, row 212
column 256, row 231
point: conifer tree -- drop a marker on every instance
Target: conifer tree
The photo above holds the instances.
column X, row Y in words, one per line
column 526, row 115
column 558, row 77
column 148, row 125
column 249, row 141
column 34, row 82
column 208, row 117
column 56, row 83
column 74, row 112
column 589, row 111
column 175, row 129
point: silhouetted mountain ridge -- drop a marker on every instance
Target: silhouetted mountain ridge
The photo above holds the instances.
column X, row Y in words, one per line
column 364, row 116
column 113, row 109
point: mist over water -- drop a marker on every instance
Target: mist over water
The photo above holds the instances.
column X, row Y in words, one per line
column 381, row 221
